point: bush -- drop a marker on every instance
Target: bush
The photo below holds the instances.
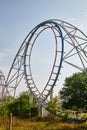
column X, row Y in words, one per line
column 4, row 109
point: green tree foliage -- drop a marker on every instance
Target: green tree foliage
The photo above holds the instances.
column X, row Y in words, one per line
column 74, row 93
column 4, row 109
column 53, row 105
column 21, row 106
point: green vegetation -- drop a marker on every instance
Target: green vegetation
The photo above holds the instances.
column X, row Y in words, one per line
column 74, row 92
column 53, row 105
column 21, row 106
column 25, row 113
column 34, row 124
column 73, row 96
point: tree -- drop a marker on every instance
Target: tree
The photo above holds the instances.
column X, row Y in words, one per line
column 4, row 109
column 53, row 105
column 74, row 93
column 22, row 106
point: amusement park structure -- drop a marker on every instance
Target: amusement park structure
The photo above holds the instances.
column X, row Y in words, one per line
column 2, row 86
column 70, row 50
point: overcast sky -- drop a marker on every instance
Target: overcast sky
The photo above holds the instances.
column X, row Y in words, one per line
column 18, row 17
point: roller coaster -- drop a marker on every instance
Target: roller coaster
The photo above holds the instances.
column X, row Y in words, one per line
column 70, row 50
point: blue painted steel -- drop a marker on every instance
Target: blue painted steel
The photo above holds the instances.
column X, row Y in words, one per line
column 58, row 27
column 62, row 52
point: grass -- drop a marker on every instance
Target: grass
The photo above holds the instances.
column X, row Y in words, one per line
column 27, row 124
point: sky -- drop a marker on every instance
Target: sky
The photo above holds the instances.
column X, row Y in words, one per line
column 19, row 17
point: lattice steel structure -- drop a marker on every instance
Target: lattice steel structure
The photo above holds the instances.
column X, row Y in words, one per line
column 70, row 49
column 2, row 85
